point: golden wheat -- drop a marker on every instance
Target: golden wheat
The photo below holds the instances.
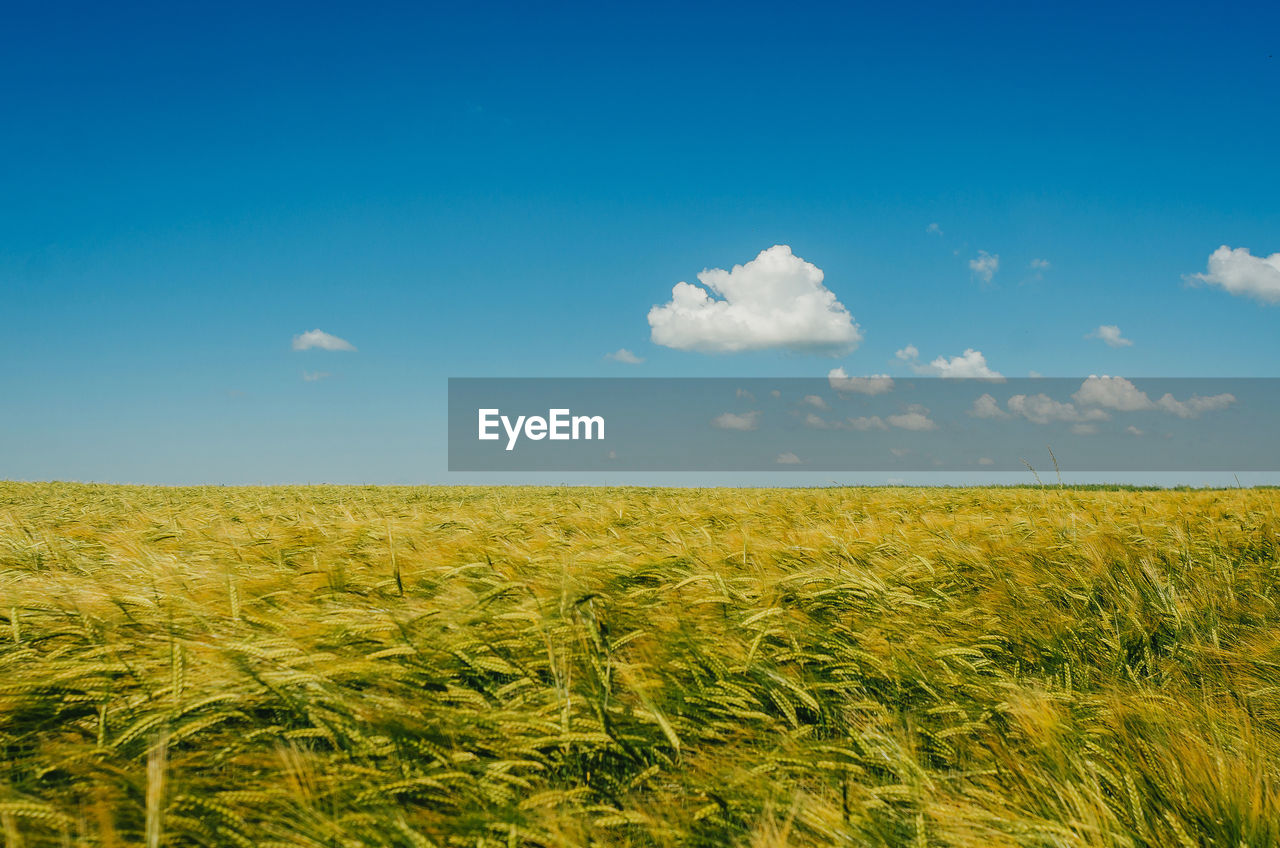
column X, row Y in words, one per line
column 345, row 666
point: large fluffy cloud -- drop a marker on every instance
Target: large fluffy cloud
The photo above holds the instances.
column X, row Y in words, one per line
column 776, row 300
column 1241, row 273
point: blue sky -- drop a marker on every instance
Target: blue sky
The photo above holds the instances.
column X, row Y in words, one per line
column 507, row 190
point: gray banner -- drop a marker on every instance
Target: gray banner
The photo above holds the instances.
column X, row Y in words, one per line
column 863, row 424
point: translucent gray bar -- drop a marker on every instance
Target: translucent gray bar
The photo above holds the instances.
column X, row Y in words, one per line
column 863, row 424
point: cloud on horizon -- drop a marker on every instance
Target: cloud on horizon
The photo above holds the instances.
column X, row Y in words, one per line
column 1094, row 401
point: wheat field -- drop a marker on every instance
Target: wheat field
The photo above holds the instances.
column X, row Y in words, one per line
column 439, row 666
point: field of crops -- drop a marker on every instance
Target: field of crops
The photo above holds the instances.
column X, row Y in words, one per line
column 332, row 666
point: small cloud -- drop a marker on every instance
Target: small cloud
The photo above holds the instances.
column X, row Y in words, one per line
column 1042, row 409
column 736, row 421
column 624, row 356
column 1035, row 375
column 1241, row 273
column 986, row 460
column 1084, row 429
column 320, row 339
column 971, row 365
column 775, row 301
column 1133, row 431
column 873, row 422
column 985, row 266
column 788, row 458
column 815, row 401
column 1037, row 267
column 1110, row 334
column 915, row 418
column 933, row 229
column 877, row 384
column 315, row 376
column 775, row 394
column 987, row 407
column 743, row 394
column 899, row 452
column 1193, row 406
column 817, row 422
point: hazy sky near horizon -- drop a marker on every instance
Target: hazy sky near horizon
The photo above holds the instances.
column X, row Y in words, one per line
column 250, row 242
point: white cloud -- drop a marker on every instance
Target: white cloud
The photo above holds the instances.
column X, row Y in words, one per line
column 817, row 422
column 743, row 394
column 933, row 229
column 987, row 407
column 984, row 267
column 776, row 300
column 788, row 458
column 1112, row 393
column 970, row 364
column 815, row 401
column 1084, row 429
column 1133, row 431
column 314, row 376
column 873, row 422
column 736, row 421
column 986, row 460
column 624, row 356
column 322, row 340
column 1120, row 394
column 876, row 384
column 1193, row 406
column 1042, row 409
column 915, row 418
column 1241, row 273
column 1039, row 265
column 1110, row 334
